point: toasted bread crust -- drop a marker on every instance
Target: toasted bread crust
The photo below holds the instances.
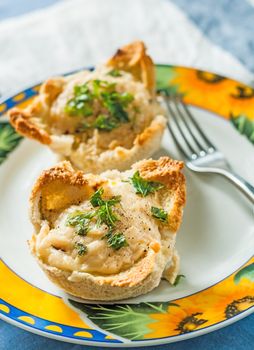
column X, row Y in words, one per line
column 168, row 172
column 133, row 58
column 20, row 120
column 62, row 186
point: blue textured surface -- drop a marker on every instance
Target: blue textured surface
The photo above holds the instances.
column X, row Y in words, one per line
column 239, row 336
column 229, row 24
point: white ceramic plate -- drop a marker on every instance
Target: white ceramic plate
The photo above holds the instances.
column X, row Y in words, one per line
column 215, row 243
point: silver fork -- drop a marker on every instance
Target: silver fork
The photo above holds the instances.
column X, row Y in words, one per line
column 200, row 153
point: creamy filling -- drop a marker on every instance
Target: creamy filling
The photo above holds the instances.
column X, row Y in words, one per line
column 56, row 246
column 140, row 112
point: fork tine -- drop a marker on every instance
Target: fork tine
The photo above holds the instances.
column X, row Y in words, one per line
column 202, row 135
column 180, row 148
column 191, row 150
column 177, row 100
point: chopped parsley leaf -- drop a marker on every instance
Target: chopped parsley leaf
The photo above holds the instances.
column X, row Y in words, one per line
column 82, row 249
column 106, row 216
column 81, row 103
column 114, row 73
column 80, row 221
column 178, row 279
column 159, row 214
column 100, row 86
column 117, row 240
column 96, row 199
column 80, row 90
column 144, row 187
column 104, row 213
column 114, row 104
column 114, row 200
column 103, row 122
column 125, row 98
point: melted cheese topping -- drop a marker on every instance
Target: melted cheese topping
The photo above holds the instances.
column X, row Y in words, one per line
column 56, row 246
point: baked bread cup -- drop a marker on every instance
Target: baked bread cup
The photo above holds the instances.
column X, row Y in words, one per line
column 98, row 120
column 109, row 236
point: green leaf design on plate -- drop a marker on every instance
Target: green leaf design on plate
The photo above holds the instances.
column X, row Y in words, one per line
column 125, row 320
column 164, row 75
column 247, row 272
column 9, row 139
column 244, row 125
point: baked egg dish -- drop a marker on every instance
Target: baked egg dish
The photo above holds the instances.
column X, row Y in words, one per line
column 106, row 118
column 109, row 236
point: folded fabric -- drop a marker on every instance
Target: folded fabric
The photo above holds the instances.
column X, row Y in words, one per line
column 73, row 34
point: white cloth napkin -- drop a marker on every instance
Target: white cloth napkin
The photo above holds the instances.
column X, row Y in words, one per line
column 79, row 33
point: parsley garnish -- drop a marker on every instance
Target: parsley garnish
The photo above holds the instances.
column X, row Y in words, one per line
column 116, row 240
column 96, row 199
column 106, row 216
column 80, row 221
column 81, row 103
column 114, row 73
column 178, row 279
column 82, row 249
column 144, row 187
column 104, row 122
column 159, row 214
column 100, row 86
column 104, row 213
column 114, row 104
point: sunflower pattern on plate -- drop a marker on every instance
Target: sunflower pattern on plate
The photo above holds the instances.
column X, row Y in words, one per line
column 144, row 321
column 229, row 99
column 155, row 320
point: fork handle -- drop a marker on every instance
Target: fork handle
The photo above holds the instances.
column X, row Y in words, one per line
column 244, row 186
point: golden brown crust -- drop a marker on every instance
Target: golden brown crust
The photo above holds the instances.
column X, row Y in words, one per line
column 163, row 170
column 133, row 58
column 51, row 89
column 62, row 186
column 148, row 134
column 20, row 120
column 168, row 172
